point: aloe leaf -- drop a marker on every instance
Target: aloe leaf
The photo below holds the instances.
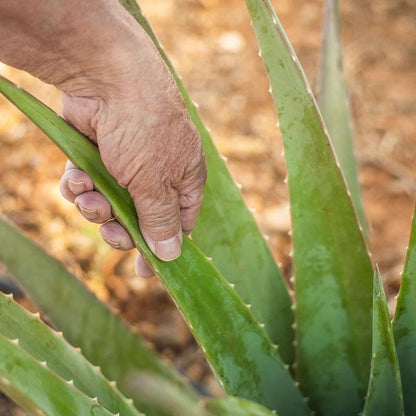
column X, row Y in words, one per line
column 333, row 271
column 50, row 348
column 217, row 317
column 85, row 321
column 333, row 102
column 404, row 325
column 233, row 406
column 27, row 381
column 384, row 396
column 226, row 232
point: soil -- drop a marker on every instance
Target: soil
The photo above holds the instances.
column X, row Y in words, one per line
column 212, row 45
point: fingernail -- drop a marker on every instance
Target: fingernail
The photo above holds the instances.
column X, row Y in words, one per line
column 76, row 187
column 169, row 249
column 89, row 214
column 112, row 243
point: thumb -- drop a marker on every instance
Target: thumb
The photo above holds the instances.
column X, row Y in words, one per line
column 159, row 219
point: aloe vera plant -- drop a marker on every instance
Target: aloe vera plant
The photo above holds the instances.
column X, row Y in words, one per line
column 333, row 351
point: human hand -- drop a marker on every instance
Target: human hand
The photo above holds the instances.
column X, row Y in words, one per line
column 146, row 140
column 158, row 159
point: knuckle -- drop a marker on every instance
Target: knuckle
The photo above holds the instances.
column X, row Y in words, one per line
column 160, row 226
column 160, row 220
column 156, row 202
column 192, row 200
column 195, row 179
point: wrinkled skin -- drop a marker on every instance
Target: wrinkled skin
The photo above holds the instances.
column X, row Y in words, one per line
column 120, row 94
column 160, row 162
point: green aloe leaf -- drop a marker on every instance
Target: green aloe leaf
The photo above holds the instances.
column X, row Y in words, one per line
column 50, row 348
column 384, row 396
column 85, row 321
column 217, row 317
column 333, row 102
column 404, row 325
column 226, row 232
column 333, row 271
column 37, row 389
column 233, row 406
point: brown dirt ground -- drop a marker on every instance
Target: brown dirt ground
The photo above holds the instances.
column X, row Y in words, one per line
column 213, row 47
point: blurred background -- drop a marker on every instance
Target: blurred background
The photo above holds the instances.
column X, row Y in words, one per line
column 213, row 47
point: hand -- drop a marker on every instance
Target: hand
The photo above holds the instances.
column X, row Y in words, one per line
column 136, row 116
column 155, row 152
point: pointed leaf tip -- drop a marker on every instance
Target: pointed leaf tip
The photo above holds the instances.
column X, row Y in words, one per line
column 385, row 372
column 404, row 325
column 334, row 102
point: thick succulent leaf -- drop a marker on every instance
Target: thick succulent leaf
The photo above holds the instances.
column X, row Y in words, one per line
column 333, row 270
column 233, row 406
column 333, row 102
column 384, row 396
column 212, row 309
column 86, row 322
column 404, row 326
column 226, row 232
column 49, row 347
column 33, row 385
